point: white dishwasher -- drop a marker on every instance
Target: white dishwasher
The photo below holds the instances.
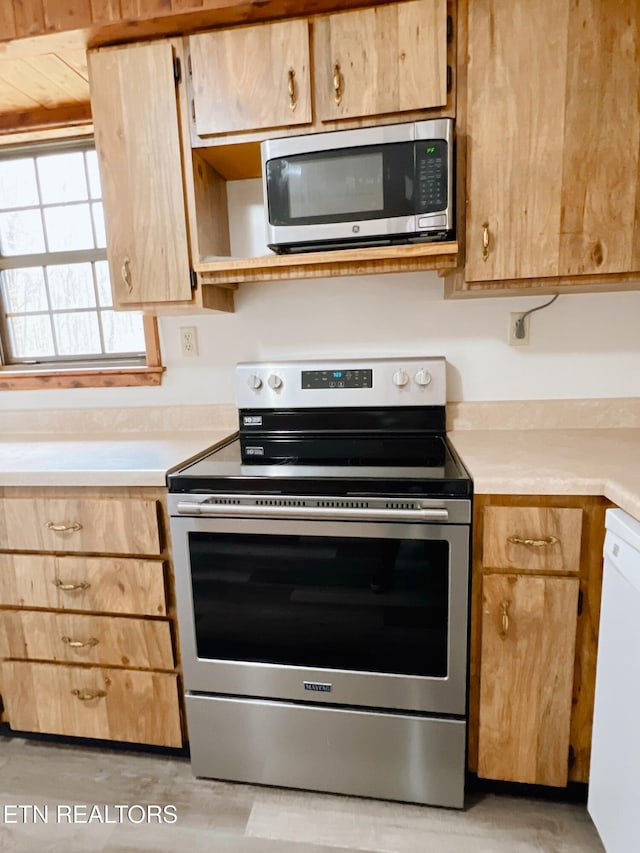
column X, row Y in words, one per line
column 614, row 781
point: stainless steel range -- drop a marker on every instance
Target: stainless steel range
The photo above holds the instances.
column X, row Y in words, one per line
column 322, row 577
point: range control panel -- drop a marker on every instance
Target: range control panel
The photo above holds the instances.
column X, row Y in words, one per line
column 411, row 381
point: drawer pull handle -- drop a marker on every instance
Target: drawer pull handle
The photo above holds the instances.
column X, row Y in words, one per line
column 86, row 695
column 338, row 84
column 505, row 604
column 70, row 587
column 80, row 644
column 292, row 89
column 64, row 527
column 125, row 274
column 486, row 241
column 533, row 543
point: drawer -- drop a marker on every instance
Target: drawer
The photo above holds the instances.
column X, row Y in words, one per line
column 112, row 704
column 532, row 538
column 103, row 584
column 76, row 638
column 90, row 525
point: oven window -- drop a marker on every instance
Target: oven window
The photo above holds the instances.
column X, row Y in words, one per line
column 379, row 605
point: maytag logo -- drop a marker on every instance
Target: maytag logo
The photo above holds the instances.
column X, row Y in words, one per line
column 252, row 420
column 318, row 686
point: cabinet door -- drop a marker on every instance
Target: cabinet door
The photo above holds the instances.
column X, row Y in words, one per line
column 135, row 117
column 386, row 59
column 526, row 677
column 251, row 78
column 553, row 132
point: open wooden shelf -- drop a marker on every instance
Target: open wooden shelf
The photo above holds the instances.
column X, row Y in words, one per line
column 379, row 260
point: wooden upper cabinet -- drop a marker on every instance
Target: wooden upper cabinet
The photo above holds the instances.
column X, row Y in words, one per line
column 386, row 59
column 553, row 131
column 135, row 116
column 251, row 78
column 526, row 677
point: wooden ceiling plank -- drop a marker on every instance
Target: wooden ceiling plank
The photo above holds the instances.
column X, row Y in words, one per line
column 105, row 11
column 62, row 15
column 11, row 97
column 29, row 15
column 77, row 60
column 62, row 80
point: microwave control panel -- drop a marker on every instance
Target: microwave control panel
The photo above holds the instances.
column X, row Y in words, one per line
column 431, row 172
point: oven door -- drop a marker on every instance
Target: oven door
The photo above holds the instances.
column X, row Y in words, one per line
column 369, row 614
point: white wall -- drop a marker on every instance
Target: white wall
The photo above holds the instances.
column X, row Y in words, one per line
column 584, row 345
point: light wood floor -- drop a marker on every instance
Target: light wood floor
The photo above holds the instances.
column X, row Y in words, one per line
column 220, row 817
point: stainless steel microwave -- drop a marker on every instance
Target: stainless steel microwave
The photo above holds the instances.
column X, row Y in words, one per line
column 370, row 186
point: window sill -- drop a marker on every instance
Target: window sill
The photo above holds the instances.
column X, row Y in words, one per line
column 16, row 379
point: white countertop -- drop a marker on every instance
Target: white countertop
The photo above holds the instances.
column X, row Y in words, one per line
column 554, row 462
column 99, row 459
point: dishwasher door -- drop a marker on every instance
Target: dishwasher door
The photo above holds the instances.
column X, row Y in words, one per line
column 614, row 783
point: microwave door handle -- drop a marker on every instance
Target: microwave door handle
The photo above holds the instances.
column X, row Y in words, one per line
column 222, row 510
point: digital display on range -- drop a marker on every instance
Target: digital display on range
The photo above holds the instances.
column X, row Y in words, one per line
column 337, row 379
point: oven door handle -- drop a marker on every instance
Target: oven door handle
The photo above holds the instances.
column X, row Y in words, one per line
column 312, row 512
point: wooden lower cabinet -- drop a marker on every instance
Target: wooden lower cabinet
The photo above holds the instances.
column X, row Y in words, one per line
column 88, row 634
column 526, row 677
column 122, row 705
column 535, row 609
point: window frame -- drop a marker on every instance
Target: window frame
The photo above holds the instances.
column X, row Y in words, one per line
column 88, row 373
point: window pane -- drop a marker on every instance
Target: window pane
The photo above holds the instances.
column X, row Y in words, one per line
column 68, row 228
column 62, row 177
column 30, row 337
column 123, row 331
column 71, row 286
column 23, row 290
column 18, row 183
column 95, row 188
column 105, row 296
column 77, row 334
column 98, row 222
column 21, row 233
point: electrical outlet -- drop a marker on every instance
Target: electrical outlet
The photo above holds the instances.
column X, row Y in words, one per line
column 189, row 341
column 512, row 340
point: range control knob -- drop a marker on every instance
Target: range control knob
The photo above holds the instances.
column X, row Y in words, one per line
column 274, row 381
column 254, row 382
column 422, row 377
column 400, row 378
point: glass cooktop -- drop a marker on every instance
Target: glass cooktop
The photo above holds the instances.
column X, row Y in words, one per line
column 336, row 464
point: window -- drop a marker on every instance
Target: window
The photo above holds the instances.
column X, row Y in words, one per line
column 56, row 309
